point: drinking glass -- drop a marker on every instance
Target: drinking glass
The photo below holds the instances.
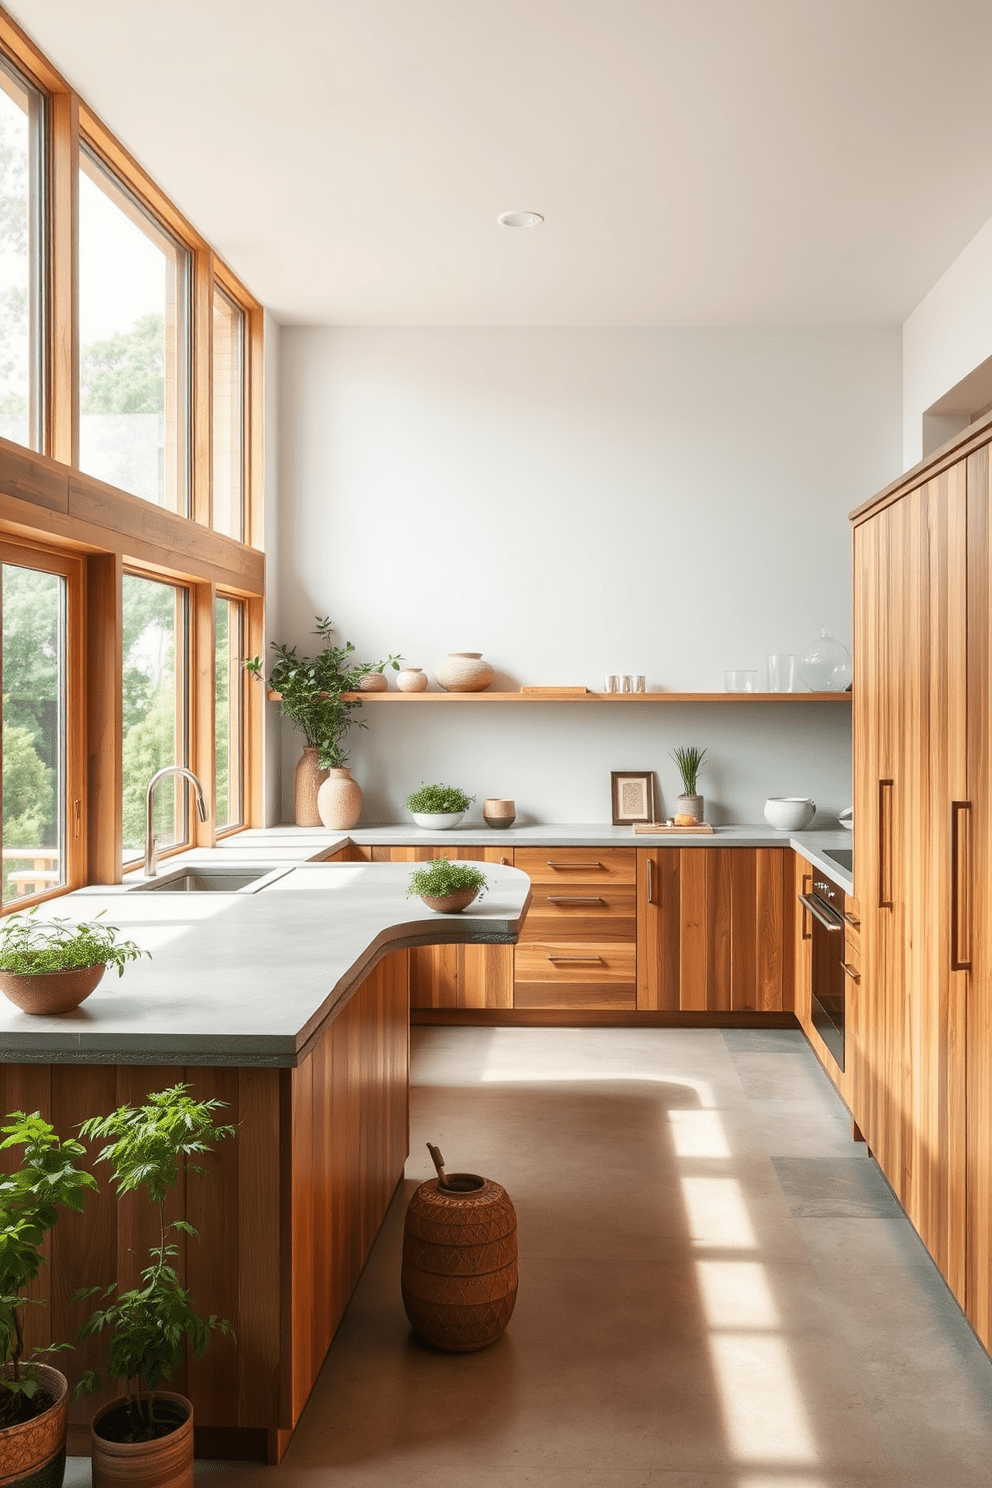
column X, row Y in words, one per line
column 781, row 672
column 740, row 681
column 636, row 682
column 613, row 682
column 626, row 683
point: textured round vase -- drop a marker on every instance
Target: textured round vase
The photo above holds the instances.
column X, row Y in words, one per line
column 450, row 903
column 165, row 1462
column 52, row 992
column 459, row 1274
column 691, row 806
column 309, row 778
column 464, row 671
column 373, row 682
column 339, row 800
column 413, row 679
column 32, row 1455
column 498, row 812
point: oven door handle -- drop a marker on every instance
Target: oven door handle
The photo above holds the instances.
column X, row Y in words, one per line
column 819, row 911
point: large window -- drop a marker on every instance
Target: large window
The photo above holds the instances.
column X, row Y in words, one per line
column 35, row 711
column 228, row 415
column 155, row 709
column 134, row 344
column 229, row 713
column 21, row 220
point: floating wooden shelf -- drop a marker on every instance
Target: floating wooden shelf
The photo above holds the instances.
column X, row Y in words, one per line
column 592, row 697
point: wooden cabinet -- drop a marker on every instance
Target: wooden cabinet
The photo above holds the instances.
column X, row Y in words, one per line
column 578, row 948
column 715, row 928
column 456, row 976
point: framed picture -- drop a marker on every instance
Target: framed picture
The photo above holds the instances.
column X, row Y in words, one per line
column 633, row 796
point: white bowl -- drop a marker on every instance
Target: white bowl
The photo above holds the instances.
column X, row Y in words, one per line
column 437, row 821
column 789, row 813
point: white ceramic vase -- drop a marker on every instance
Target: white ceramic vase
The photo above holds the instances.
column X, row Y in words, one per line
column 412, row 679
column 437, row 821
column 339, row 800
column 464, row 671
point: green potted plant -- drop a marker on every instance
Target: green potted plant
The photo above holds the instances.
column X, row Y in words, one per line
column 689, row 760
column 311, row 691
column 34, row 1398
column 145, row 1436
column 447, row 887
column 437, row 807
column 51, row 966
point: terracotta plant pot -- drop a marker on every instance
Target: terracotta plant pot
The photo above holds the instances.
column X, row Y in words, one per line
column 459, row 1275
column 498, row 812
column 451, row 903
column 339, row 800
column 309, row 778
column 33, row 1455
column 52, row 992
column 166, row 1462
column 464, row 671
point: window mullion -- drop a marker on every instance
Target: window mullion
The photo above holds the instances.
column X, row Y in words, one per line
column 63, row 281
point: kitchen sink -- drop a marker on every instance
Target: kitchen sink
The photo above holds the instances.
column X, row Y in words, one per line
column 208, row 878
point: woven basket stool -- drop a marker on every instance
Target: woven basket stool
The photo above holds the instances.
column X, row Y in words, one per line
column 459, row 1262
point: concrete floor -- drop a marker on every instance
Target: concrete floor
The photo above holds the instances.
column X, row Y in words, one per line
column 717, row 1289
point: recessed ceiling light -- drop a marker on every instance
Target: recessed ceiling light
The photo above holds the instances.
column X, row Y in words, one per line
column 520, row 219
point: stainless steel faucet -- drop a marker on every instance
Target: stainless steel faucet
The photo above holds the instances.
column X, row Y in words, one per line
column 151, row 841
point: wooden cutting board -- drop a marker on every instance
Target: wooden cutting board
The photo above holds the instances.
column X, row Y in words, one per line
column 662, row 829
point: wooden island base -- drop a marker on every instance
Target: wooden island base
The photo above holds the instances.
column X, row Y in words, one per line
column 285, row 1221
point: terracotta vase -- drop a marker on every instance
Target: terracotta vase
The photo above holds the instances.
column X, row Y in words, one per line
column 450, row 903
column 464, row 671
column 459, row 1275
column 309, row 778
column 339, row 800
column 32, row 1455
column 166, row 1462
column 413, row 679
column 52, row 992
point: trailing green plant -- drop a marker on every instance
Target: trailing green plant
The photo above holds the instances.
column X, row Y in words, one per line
column 689, row 761
column 152, row 1325
column 437, row 800
column 442, row 877
column 32, row 947
column 312, row 688
column 49, row 1178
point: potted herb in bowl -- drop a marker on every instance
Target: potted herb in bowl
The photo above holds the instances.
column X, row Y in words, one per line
column 51, row 966
column 145, row 1436
column 690, row 804
column 34, row 1398
column 447, row 887
column 437, row 807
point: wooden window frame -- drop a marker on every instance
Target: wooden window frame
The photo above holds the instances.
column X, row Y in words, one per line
column 47, row 503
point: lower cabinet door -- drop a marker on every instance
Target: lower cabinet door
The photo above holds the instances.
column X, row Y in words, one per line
column 593, row 977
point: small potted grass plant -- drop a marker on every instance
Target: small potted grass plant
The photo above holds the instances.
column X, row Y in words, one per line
column 34, row 1397
column 437, row 807
column 51, row 966
column 447, row 887
column 145, row 1437
column 689, row 761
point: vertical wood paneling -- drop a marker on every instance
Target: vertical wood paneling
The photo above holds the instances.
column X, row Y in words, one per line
column 213, row 1261
column 257, row 1144
column 693, row 929
column 63, row 288
column 104, row 716
column 744, row 929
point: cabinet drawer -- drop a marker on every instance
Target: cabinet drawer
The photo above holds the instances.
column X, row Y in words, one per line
column 598, row 976
column 580, row 913
column 572, row 865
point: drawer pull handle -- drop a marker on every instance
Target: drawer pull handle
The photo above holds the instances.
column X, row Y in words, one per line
column 851, row 919
column 552, row 864
column 575, row 958
column 850, row 971
column 816, row 908
column 575, row 899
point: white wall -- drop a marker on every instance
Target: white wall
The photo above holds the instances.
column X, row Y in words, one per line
column 577, row 501
column 946, row 337
column 272, row 733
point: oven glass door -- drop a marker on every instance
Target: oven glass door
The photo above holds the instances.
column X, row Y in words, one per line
column 829, row 990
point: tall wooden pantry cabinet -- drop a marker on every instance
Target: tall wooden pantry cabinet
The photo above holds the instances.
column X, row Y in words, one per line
column 921, row 1024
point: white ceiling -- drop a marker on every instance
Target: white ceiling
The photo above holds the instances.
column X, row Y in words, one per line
column 697, row 161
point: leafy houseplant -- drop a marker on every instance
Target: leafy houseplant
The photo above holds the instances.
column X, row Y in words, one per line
column 438, row 806
column 151, row 1325
column 689, row 761
column 446, row 886
column 50, row 966
column 49, row 1178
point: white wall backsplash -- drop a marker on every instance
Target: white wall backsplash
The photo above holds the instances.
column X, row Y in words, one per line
column 577, row 501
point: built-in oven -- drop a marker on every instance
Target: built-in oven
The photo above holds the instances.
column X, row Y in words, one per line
column 825, row 906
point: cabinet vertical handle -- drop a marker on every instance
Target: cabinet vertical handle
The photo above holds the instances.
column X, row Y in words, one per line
column 960, row 887
column 807, row 928
column 651, row 898
column 885, row 844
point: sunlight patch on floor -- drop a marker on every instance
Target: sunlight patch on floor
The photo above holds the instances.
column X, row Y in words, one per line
column 718, row 1214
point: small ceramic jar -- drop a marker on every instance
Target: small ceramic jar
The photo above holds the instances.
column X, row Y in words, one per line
column 498, row 812
column 412, row 679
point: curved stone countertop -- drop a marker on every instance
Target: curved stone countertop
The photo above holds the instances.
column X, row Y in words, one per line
column 248, row 978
